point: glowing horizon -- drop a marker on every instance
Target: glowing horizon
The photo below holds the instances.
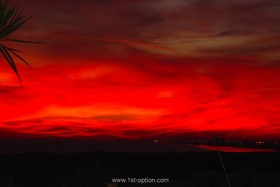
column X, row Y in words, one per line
column 151, row 70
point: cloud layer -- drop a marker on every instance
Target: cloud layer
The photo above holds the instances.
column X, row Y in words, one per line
column 146, row 98
column 196, row 28
column 145, row 68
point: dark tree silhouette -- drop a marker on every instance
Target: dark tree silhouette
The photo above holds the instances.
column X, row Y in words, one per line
column 10, row 20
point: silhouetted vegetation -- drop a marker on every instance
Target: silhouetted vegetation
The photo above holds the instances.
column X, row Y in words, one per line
column 11, row 20
column 97, row 169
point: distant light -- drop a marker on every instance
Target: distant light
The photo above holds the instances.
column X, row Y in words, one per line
column 259, row 142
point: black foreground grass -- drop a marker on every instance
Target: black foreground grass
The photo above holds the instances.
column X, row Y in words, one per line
column 97, row 169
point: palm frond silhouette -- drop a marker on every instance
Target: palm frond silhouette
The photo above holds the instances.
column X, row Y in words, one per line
column 10, row 20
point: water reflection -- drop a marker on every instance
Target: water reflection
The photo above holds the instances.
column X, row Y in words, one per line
column 232, row 149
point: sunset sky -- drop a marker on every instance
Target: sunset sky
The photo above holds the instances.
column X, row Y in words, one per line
column 142, row 69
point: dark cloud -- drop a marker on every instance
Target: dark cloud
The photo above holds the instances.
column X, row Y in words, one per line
column 233, row 33
column 26, row 121
column 72, row 27
column 56, row 129
column 8, row 90
column 114, row 117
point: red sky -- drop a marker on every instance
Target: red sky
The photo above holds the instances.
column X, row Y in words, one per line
column 142, row 69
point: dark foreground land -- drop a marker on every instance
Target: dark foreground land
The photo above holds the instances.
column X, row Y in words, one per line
column 199, row 169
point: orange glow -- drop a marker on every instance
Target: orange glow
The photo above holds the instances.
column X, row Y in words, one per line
column 144, row 70
column 119, row 99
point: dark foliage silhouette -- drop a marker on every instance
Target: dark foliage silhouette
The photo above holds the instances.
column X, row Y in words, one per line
column 11, row 20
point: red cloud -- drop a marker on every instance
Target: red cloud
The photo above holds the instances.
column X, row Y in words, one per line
column 146, row 98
